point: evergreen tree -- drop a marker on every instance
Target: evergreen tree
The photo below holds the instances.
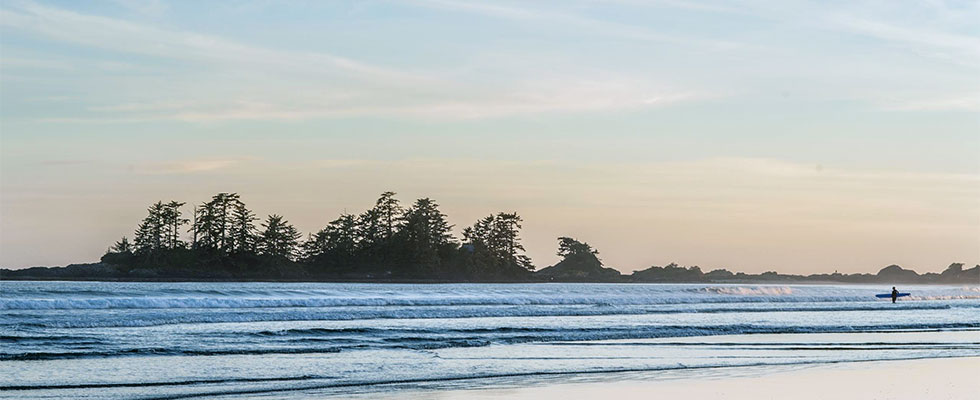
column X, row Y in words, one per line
column 342, row 236
column 172, row 222
column 151, row 233
column 212, row 227
column 279, row 238
column 224, row 209
column 205, row 227
column 204, row 221
column 377, row 228
column 480, row 232
column 496, row 238
column 242, row 229
column 160, row 230
column 314, row 247
column 506, row 236
column 122, row 246
column 426, row 233
column 389, row 211
column 370, row 230
column 568, row 248
column 336, row 245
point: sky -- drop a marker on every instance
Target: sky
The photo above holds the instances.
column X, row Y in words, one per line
column 800, row 137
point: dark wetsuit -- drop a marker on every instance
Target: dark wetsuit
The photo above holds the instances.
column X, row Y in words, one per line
column 894, row 295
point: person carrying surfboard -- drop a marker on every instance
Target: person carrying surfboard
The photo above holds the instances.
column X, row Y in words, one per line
column 894, row 294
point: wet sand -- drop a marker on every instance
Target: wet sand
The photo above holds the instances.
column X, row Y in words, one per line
column 945, row 378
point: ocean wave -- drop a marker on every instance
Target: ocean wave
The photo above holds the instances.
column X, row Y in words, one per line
column 744, row 295
column 749, row 290
column 146, row 318
column 430, row 339
column 161, row 383
column 93, row 296
column 941, row 297
column 32, row 356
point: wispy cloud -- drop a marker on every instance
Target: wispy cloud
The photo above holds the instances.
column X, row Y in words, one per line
column 188, row 166
column 146, row 7
column 128, row 37
column 953, row 47
column 233, row 80
column 772, row 167
column 573, row 22
column 33, row 63
column 292, row 83
column 556, row 96
column 968, row 102
column 61, row 163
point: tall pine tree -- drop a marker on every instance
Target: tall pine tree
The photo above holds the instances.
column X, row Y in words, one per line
column 425, row 235
column 279, row 238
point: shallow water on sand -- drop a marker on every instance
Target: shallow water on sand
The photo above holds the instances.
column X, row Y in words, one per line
column 171, row 340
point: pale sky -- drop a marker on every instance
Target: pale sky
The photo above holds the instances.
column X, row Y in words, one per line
column 800, row 137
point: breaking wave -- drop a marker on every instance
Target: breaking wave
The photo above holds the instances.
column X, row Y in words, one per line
column 629, row 295
column 325, row 340
column 750, row 291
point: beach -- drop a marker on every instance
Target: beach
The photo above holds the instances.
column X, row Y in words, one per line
column 114, row 340
column 945, row 378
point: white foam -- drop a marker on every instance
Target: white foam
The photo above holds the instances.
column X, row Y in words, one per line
column 751, row 291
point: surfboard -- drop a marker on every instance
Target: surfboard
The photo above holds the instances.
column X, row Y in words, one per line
column 889, row 295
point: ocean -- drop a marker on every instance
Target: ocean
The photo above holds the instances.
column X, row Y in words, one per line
column 97, row 340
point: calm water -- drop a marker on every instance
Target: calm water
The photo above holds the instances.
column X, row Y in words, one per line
column 295, row 340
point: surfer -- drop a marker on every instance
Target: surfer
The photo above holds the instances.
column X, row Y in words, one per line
column 894, row 294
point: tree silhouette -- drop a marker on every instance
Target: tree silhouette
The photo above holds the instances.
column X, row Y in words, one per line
column 122, row 246
column 212, row 221
column 496, row 239
column 279, row 238
column 242, row 231
column 426, row 235
column 387, row 240
column 172, row 221
column 150, row 234
column 389, row 211
column 335, row 246
column 568, row 247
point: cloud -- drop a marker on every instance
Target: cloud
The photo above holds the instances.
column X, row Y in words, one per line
column 721, row 168
column 146, row 7
column 70, row 163
column 553, row 96
column 342, row 163
column 295, row 85
column 128, row 37
column 284, row 85
column 33, row 63
column 968, row 103
column 188, row 166
column 952, row 47
column 577, row 23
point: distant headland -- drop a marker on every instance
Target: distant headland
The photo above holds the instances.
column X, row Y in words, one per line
column 387, row 243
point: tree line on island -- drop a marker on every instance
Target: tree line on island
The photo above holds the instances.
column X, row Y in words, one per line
column 388, row 241
column 224, row 240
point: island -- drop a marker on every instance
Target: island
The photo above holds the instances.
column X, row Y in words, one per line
column 387, row 243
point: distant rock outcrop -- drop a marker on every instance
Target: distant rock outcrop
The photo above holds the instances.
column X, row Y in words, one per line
column 719, row 274
column 71, row 271
column 670, row 273
column 584, row 267
column 895, row 273
column 956, row 274
column 580, row 263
